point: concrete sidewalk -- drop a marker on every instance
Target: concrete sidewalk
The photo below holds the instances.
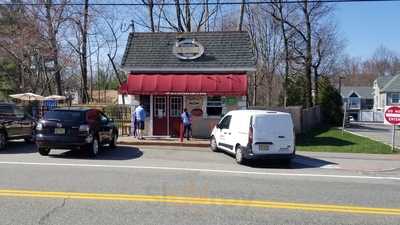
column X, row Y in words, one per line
column 163, row 141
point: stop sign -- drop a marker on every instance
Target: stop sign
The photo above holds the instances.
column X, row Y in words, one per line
column 392, row 115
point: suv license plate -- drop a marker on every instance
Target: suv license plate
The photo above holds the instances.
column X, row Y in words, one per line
column 264, row 147
column 59, row 130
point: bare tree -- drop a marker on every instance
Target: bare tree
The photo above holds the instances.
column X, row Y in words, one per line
column 150, row 6
column 278, row 14
column 267, row 42
column 241, row 15
column 55, row 18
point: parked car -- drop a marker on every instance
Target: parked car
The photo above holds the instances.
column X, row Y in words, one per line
column 15, row 124
column 251, row 134
column 75, row 128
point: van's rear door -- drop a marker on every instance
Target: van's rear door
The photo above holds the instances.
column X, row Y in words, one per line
column 273, row 133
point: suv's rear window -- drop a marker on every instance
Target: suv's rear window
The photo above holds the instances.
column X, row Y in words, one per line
column 64, row 115
column 6, row 110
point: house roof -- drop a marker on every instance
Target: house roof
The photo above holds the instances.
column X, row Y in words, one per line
column 223, row 51
column 393, row 85
column 362, row 92
column 383, row 80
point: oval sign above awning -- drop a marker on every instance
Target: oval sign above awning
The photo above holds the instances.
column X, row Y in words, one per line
column 188, row 49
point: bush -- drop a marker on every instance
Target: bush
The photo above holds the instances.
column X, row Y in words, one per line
column 330, row 101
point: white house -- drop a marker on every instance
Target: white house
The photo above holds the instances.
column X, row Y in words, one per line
column 357, row 99
column 386, row 92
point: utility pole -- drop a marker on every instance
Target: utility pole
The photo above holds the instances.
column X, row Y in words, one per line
column 340, row 84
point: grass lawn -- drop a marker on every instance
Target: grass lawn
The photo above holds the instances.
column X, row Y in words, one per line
column 331, row 140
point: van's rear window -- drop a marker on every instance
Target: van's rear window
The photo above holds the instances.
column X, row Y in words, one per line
column 64, row 115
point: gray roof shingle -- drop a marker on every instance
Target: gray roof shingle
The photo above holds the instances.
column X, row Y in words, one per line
column 363, row 92
column 383, row 80
column 393, row 85
column 223, row 51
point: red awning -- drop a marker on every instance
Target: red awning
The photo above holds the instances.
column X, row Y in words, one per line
column 187, row 84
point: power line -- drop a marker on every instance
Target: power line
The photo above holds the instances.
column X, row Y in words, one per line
column 199, row 3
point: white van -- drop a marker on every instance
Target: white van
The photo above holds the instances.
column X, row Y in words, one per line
column 253, row 134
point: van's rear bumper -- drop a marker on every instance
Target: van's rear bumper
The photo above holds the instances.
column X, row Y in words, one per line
column 248, row 154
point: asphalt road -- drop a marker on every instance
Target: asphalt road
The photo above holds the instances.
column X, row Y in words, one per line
column 195, row 186
column 376, row 131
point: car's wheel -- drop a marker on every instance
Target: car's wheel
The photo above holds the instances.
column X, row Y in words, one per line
column 94, row 147
column 3, row 140
column 213, row 144
column 44, row 151
column 239, row 155
column 113, row 143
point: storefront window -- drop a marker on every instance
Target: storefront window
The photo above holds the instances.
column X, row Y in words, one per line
column 145, row 100
column 214, row 106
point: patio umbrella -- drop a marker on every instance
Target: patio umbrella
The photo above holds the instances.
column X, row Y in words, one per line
column 28, row 97
column 55, row 97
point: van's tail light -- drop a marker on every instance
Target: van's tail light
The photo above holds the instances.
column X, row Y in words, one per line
column 250, row 135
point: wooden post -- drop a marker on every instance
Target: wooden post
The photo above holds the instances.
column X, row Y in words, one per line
column 344, row 117
column 181, row 134
column 393, row 137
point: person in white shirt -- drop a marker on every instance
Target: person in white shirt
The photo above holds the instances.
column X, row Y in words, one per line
column 140, row 118
column 187, row 123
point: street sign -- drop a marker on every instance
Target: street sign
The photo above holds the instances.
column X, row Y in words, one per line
column 392, row 115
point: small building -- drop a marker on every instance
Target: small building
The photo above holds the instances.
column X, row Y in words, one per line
column 357, row 99
column 205, row 72
column 386, row 92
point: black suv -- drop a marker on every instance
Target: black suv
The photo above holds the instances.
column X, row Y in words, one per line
column 15, row 124
column 75, row 128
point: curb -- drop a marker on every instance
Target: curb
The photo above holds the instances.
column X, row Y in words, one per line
column 199, row 145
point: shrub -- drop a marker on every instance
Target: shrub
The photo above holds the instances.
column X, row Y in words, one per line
column 330, row 101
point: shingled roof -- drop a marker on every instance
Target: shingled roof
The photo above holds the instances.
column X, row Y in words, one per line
column 383, row 80
column 393, row 85
column 223, row 51
column 362, row 92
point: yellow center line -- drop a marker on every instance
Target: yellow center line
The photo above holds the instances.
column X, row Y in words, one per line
column 202, row 201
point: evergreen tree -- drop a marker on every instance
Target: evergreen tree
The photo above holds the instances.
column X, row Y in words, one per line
column 330, row 101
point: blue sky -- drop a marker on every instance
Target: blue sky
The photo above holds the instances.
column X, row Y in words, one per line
column 366, row 26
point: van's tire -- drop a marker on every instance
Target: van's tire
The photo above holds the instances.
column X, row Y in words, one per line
column 3, row 140
column 44, row 151
column 213, row 144
column 113, row 143
column 94, row 147
column 239, row 155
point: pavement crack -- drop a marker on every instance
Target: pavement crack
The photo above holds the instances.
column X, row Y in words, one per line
column 45, row 217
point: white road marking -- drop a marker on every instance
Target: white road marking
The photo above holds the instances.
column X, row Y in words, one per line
column 203, row 170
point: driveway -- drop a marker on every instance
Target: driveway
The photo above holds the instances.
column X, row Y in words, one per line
column 379, row 132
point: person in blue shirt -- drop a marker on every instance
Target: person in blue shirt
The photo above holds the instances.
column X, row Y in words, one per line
column 187, row 123
column 140, row 118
